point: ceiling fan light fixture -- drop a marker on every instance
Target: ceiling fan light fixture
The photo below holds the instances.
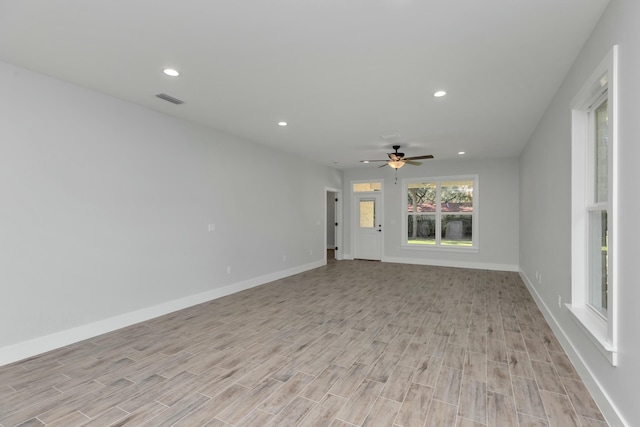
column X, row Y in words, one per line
column 398, row 160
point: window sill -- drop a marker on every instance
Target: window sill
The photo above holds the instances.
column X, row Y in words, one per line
column 596, row 329
column 434, row 248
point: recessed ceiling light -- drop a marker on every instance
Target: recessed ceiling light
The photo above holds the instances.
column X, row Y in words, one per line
column 171, row 72
column 282, row 123
column 461, row 152
column 439, row 93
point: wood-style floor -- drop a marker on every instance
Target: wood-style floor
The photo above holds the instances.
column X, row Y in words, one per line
column 355, row 343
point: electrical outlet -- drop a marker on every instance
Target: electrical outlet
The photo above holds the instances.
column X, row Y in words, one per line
column 212, row 227
column 228, row 269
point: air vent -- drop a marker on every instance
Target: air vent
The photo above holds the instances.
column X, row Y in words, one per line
column 390, row 136
column 170, row 98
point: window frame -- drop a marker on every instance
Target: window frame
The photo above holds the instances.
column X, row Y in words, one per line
column 438, row 180
column 601, row 328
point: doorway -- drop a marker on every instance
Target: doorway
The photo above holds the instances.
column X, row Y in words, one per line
column 333, row 224
column 368, row 227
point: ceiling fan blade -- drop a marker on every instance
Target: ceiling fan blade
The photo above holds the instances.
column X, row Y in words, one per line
column 370, row 161
column 381, row 166
column 395, row 156
column 413, row 162
column 428, row 156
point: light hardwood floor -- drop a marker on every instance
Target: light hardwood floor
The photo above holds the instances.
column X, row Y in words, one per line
column 355, row 343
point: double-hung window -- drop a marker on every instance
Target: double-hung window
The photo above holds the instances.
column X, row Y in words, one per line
column 440, row 212
column 598, row 205
column 593, row 195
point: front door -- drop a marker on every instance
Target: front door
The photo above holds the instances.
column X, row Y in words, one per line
column 368, row 227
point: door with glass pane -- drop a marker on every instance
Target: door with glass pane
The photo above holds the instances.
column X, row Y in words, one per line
column 368, row 244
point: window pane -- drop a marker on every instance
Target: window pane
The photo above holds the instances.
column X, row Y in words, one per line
column 361, row 187
column 601, row 147
column 421, row 197
column 421, row 229
column 598, row 260
column 456, row 196
column 367, row 213
column 457, row 230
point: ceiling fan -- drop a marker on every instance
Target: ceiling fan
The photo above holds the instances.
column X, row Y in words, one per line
column 398, row 160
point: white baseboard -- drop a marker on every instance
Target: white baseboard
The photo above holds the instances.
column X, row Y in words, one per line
column 457, row 264
column 23, row 350
column 447, row 263
column 602, row 399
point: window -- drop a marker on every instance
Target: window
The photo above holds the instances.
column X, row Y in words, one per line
column 440, row 212
column 366, row 187
column 598, row 238
column 367, row 213
column 593, row 195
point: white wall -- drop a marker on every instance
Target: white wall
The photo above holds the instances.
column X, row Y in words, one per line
column 545, row 218
column 498, row 212
column 105, row 207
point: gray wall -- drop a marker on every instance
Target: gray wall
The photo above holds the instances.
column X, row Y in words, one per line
column 545, row 214
column 106, row 205
column 498, row 211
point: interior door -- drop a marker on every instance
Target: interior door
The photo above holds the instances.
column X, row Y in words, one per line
column 368, row 227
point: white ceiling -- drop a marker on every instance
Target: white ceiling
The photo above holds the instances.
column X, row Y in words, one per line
column 342, row 73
